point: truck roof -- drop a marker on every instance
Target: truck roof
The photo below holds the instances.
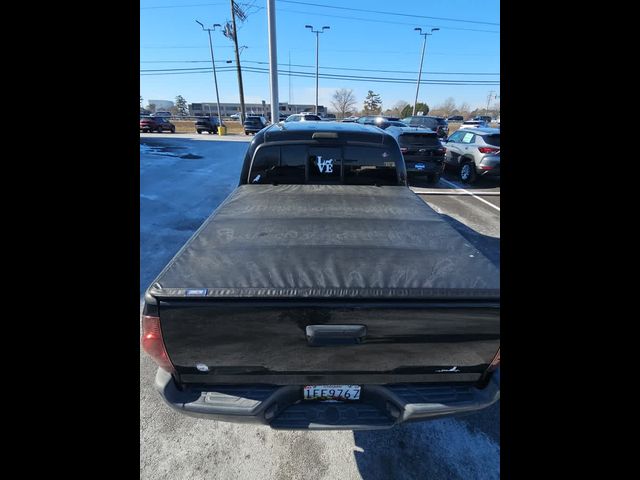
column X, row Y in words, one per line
column 327, row 241
column 285, row 131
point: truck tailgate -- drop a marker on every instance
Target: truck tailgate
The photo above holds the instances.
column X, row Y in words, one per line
column 297, row 343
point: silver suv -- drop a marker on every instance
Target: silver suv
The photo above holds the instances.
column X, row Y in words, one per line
column 474, row 152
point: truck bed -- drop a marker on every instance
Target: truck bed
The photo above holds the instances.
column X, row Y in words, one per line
column 330, row 242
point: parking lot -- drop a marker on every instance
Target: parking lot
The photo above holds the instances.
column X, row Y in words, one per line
column 183, row 178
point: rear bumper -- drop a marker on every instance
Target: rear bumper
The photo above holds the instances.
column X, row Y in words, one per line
column 282, row 407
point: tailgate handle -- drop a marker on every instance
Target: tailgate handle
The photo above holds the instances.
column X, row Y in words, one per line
column 320, row 335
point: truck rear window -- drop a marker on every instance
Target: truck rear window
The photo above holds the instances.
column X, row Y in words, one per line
column 304, row 164
column 408, row 139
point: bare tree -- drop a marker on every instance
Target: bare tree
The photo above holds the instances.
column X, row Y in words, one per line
column 448, row 106
column 396, row 111
column 343, row 102
column 464, row 108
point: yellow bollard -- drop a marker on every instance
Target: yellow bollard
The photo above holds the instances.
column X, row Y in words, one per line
column 222, row 130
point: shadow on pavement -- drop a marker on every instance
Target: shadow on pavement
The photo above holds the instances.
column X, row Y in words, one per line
column 436, row 449
column 488, row 246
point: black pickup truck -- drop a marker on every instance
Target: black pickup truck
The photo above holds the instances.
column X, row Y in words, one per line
column 324, row 294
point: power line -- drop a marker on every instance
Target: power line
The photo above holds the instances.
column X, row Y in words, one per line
column 387, row 13
column 306, row 66
column 337, row 77
column 442, row 27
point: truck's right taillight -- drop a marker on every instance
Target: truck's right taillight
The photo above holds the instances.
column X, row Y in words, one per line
column 495, row 363
column 153, row 344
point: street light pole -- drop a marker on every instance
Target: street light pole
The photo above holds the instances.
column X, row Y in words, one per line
column 215, row 77
column 317, row 32
column 424, row 45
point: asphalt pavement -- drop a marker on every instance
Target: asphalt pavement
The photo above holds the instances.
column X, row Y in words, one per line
column 183, row 178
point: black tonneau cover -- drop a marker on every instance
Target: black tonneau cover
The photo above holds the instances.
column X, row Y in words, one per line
column 327, row 241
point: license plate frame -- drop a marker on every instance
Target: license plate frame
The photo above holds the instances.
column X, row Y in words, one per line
column 331, row 393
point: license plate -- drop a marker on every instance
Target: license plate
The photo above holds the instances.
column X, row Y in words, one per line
column 331, row 392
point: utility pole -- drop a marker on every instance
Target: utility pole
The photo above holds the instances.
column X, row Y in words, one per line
column 317, row 32
column 424, row 46
column 489, row 100
column 235, row 41
column 213, row 63
column 273, row 61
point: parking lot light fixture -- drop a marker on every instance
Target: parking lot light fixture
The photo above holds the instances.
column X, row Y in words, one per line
column 213, row 63
column 317, row 32
column 424, row 45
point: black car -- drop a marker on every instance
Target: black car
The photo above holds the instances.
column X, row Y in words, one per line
column 207, row 124
column 455, row 118
column 437, row 124
column 483, row 118
column 422, row 151
column 156, row 124
column 254, row 124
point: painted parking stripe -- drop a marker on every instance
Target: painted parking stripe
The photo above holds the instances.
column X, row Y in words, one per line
column 443, row 191
column 470, row 193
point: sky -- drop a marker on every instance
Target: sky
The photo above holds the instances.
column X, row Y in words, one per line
column 372, row 35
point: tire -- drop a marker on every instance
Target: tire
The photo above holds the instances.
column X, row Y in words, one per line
column 246, row 133
column 199, row 132
column 468, row 173
column 173, row 130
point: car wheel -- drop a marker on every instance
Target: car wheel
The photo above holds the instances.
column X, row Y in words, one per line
column 199, row 132
column 173, row 130
column 468, row 173
column 246, row 133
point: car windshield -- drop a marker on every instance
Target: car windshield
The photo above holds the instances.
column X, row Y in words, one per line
column 310, row 164
column 492, row 140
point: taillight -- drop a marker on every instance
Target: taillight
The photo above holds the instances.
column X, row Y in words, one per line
column 488, row 149
column 495, row 363
column 153, row 344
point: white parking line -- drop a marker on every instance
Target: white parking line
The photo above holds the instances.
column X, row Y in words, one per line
column 470, row 193
column 442, row 191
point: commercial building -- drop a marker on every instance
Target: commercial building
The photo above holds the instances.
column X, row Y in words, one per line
column 228, row 109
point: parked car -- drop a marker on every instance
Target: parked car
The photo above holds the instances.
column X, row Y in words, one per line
column 474, row 152
column 455, row 118
column 485, row 118
column 381, row 121
column 437, row 124
column 235, row 116
column 156, row 124
column 422, row 152
column 474, row 124
column 162, row 114
column 350, row 119
column 303, row 117
column 312, row 298
column 207, row 124
column 254, row 124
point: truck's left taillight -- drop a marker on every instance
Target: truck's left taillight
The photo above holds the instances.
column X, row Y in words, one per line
column 153, row 344
column 495, row 363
